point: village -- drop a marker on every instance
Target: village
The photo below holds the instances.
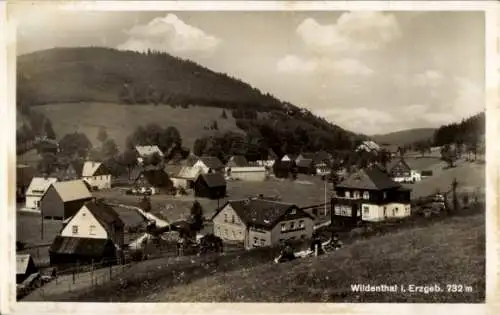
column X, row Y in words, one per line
column 82, row 221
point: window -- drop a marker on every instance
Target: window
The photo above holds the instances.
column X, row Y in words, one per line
column 301, row 224
column 394, row 211
column 262, row 242
column 366, row 210
column 292, row 225
column 75, row 229
column 232, row 218
column 293, row 211
column 37, row 203
column 366, row 195
column 356, row 195
column 255, row 240
column 92, row 230
column 283, row 227
column 347, row 194
column 225, row 217
column 337, row 209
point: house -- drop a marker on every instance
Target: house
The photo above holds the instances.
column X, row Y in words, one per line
column 401, row 172
column 322, row 170
column 269, row 159
column 37, row 188
column 25, row 266
column 304, row 156
column 368, row 146
column 239, row 168
column 96, row 174
column 369, row 195
column 289, row 158
column 145, row 151
column 209, row 164
column 259, row 222
column 154, row 180
column 212, row 186
column 306, row 166
column 95, row 232
column 322, row 158
column 63, row 199
column 24, row 176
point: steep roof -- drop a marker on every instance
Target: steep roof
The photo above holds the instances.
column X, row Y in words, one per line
column 211, row 162
column 90, row 168
column 22, row 263
column 39, row 186
column 271, row 155
column 145, row 150
column 307, row 155
column 173, row 169
column 93, row 247
column 156, row 177
column 213, row 179
column 104, row 213
column 370, row 179
column 190, row 160
column 261, row 212
column 305, row 163
column 238, row 161
column 72, row 190
column 396, row 162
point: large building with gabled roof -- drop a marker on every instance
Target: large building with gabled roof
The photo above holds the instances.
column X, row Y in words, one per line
column 63, row 199
column 258, row 222
column 369, row 195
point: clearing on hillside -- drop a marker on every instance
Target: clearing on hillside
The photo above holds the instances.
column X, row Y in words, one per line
column 121, row 120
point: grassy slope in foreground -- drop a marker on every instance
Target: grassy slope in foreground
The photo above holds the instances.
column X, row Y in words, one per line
column 442, row 253
column 452, row 251
column 121, row 120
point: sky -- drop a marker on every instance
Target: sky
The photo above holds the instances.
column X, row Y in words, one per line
column 367, row 71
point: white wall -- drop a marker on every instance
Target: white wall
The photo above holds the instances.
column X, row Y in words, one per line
column 277, row 234
column 100, row 181
column 84, row 219
column 248, row 173
column 31, row 202
column 225, row 228
column 392, row 210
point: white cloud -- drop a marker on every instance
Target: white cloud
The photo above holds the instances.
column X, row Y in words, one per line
column 361, row 119
column 172, row 35
column 294, row 64
column 429, row 78
column 352, row 32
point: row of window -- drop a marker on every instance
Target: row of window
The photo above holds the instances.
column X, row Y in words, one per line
column 292, row 227
column 357, row 195
column 226, row 233
column 234, row 219
column 91, row 231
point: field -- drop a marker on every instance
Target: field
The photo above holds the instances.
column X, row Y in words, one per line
column 434, row 254
column 121, row 120
column 405, row 137
column 30, row 158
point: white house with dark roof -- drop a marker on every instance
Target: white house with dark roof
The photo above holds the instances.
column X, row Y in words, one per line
column 368, row 146
column 96, row 174
column 209, row 164
column 370, row 195
column 63, row 199
column 259, row 222
column 37, row 188
column 95, row 231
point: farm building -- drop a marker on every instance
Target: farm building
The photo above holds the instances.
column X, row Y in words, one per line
column 24, row 175
column 321, row 158
column 258, row 222
column 95, row 232
column 212, row 186
column 369, row 195
column 239, row 168
column 96, row 174
column 37, row 188
column 154, row 180
column 209, row 164
column 145, row 151
column 63, row 199
column 401, row 172
column 306, row 166
column 269, row 159
column 289, row 158
column 25, row 266
column 322, row 170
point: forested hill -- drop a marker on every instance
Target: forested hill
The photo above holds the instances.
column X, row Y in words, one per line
column 468, row 131
column 105, row 75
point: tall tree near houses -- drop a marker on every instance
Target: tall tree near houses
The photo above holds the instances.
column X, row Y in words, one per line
column 196, row 218
column 129, row 160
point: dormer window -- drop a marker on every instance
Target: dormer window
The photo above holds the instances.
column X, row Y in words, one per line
column 356, row 195
column 366, row 195
column 293, row 211
column 347, row 194
column 384, row 195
